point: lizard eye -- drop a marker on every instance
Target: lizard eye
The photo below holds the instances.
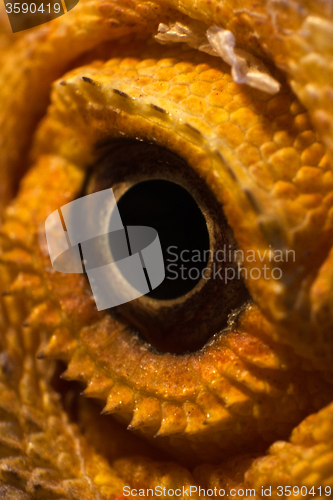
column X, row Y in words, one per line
column 156, row 188
column 157, row 123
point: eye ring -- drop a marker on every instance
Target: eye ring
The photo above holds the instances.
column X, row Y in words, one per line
column 179, row 323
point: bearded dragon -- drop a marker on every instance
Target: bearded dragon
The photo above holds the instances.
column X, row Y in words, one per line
column 242, row 91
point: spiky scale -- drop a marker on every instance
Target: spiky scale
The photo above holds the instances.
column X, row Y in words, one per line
column 98, row 386
column 196, row 418
column 235, row 400
column 120, row 399
column 81, row 367
column 60, row 346
column 230, row 366
column 147, row 413
column 216, row 413
column 173, row 420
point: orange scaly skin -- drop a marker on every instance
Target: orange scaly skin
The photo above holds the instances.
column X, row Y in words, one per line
column 252, row 408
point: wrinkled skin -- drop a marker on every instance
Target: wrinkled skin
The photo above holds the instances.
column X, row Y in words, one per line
column 253, row 407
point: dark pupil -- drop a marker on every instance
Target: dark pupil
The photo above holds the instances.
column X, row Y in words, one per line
column 172, row 211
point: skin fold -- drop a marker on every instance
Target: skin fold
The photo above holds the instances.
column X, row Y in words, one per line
column 253, row 408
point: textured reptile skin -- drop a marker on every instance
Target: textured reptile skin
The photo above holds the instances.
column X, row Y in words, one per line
column 253, row 407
